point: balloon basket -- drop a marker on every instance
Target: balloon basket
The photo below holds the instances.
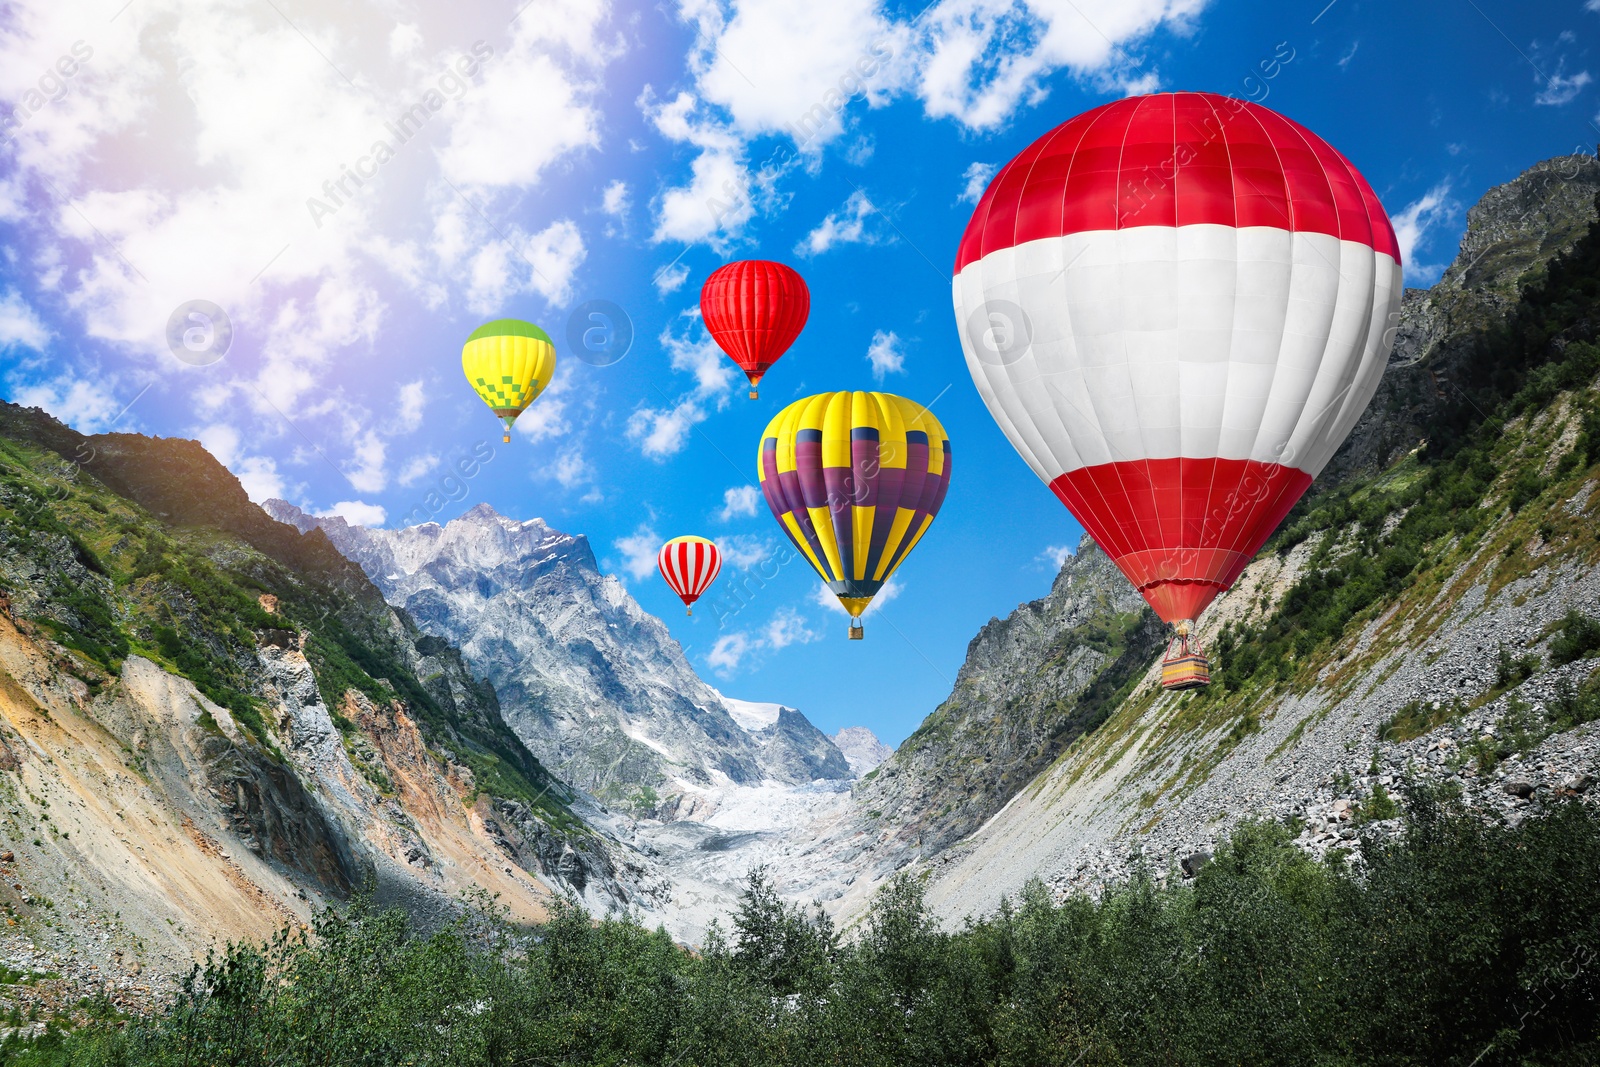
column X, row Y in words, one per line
column 506, row 439
column 688, row 611
column 753, row 395
column 1185, row 665
column 857, row 632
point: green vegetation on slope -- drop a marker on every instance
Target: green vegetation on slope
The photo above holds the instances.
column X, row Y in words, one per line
column 1459, row 944
column 1410, row 527
column 107, row 579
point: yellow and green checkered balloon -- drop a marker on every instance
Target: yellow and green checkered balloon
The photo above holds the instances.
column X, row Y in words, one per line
column 509, row 362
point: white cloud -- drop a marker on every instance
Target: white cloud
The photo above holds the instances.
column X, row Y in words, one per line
column 786, row 628
column 980, row 59
column 418, row 468
column 744, row 550
column 408, row 412
column 257, row 474
column 555, row 252
column 670, row 279
column 1056, row 556
column 614, row 200
column 357, row 513
column 694, row 352
column 1344, row 60
column 86, row 404
column 742, row 648
column 886, row 355
column 639, row 550
column 848, row 225
column 737, row 501
column 369, row 474
column 662, row 432
column 977, row 176
column 1411, row 227
column 20, row 324
column 728, row 651
column 1562, row 88
column 828, row 599
column 571, row 469
column 545, row 81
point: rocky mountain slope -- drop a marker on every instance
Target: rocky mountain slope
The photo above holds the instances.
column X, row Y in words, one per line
column 595, row 686
column 1459, row 520
column 210, row 722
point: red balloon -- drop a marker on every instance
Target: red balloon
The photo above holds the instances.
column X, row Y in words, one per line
column 754, row 309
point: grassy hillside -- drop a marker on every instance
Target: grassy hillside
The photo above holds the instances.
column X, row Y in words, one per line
column 103, row 576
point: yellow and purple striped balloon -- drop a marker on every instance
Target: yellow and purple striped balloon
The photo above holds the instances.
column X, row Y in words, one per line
column 855, row 480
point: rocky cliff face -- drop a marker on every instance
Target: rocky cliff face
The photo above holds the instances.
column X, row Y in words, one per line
column 1512, row 233
column 1031, row 684
column 210, row 723
column 596, row 687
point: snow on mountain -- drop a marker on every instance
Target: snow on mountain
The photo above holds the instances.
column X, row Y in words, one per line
column 595, row 686
column 861, row 748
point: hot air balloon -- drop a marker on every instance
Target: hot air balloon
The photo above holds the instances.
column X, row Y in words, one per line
column 1176, row 307
column 689, row 564
column 855, row 480
column 509, row 362
column 754, row 309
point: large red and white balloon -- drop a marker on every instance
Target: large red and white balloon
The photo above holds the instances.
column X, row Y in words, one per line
column 1176, row 307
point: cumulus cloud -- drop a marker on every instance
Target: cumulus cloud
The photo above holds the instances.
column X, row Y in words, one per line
column 614, row 199
column 744, row 551
column 20, row 324
column 1413, row 225
column 670, row 279
column 738, row 501
column 638, row 551
column 728, row 651
column 886, row 355
column 848, row 225
column 1056, row 556
column 977, row 177
column 662, row 432
column 1562, row 88
column 417, row 468
column 408, row 409
column 88, row 405
column 746, row 648
column 357, row 513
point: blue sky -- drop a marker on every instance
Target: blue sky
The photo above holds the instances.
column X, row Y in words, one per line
column 161, row 152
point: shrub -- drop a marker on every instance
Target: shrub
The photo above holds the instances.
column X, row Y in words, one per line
column 1577, row 636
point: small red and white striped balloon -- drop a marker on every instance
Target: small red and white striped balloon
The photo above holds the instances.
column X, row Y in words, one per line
column 689, row 564
column 1176, row 307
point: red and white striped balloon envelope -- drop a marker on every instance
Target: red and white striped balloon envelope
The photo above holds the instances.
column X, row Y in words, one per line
column 689, row 564
column 1176, row 307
